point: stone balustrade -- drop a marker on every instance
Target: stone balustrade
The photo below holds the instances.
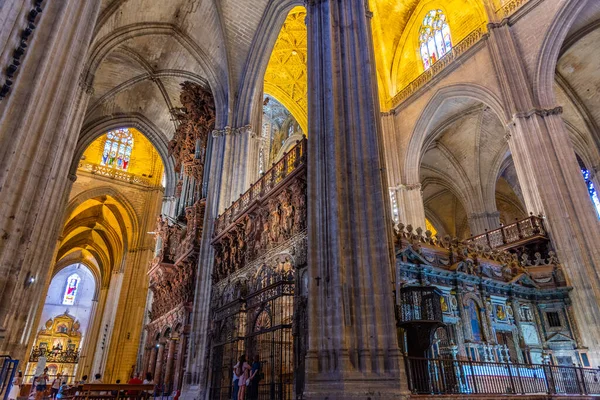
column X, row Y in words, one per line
column 510, row 7
column 113, row 173
column 457, row 50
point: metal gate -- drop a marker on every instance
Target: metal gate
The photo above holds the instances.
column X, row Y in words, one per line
column 7, row 374
column 269, row 322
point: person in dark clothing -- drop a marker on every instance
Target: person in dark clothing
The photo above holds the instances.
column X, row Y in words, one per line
column 255, row 377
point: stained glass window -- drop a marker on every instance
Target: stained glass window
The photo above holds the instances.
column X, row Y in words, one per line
column 117, row 149
column 71, row 289
column 591, row 189
column 434, row 38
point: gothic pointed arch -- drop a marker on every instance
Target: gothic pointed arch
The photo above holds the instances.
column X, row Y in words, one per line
column 92, row 130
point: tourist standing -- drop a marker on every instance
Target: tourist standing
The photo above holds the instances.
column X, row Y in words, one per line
column 237, row 372
column 41, row 383
column 16, row 386
column 245, row 374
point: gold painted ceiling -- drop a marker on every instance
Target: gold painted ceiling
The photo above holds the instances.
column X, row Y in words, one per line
column 285, row 77
column 395, row 27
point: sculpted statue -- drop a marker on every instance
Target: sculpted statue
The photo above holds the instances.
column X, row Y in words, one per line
column 299, row 208
column 287, row 217
column 264, row 237
column 274, row 219
column 249, row 235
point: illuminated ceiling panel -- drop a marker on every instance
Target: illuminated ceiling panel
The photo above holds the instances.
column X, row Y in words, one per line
column 285, row 77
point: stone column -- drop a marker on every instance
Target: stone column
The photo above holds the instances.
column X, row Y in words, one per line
column 159, row 363
column 40, row 120
column 552, row 184
column 146, row 361
column 151, row 362
column 169, row 367
column 179, row 364
column 353, row 349
column 195, row 382
column 411, row 210
column 408, row 196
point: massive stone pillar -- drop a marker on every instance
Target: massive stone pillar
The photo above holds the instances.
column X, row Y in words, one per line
column 552, row 184
column 40, row 120
column 195, row 382
column 353, row 349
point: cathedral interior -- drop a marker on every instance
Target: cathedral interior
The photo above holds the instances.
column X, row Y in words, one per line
column 371, row 199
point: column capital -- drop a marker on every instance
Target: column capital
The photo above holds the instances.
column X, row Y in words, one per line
column 485, row 214
column 542, row 112
column 408, row 186
column 86, row 82
column 243, row 130
column 225, row 131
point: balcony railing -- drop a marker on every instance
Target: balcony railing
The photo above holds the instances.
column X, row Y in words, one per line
column 507, row 235
column 460, row 48
column 272, row 179
column 113, row 173
column 509, row 8
column 459, row 377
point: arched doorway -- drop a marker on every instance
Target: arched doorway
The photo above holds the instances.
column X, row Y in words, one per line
column 68, row 311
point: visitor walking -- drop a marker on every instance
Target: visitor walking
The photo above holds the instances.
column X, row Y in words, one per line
column 55, row 386
column 16, row 386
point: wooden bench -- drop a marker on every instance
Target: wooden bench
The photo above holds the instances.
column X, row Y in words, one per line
column 99, row 391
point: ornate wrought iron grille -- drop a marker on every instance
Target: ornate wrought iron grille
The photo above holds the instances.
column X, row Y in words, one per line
column 270, row 321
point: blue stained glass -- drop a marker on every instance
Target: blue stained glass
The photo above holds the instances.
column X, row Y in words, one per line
column 591, row 190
